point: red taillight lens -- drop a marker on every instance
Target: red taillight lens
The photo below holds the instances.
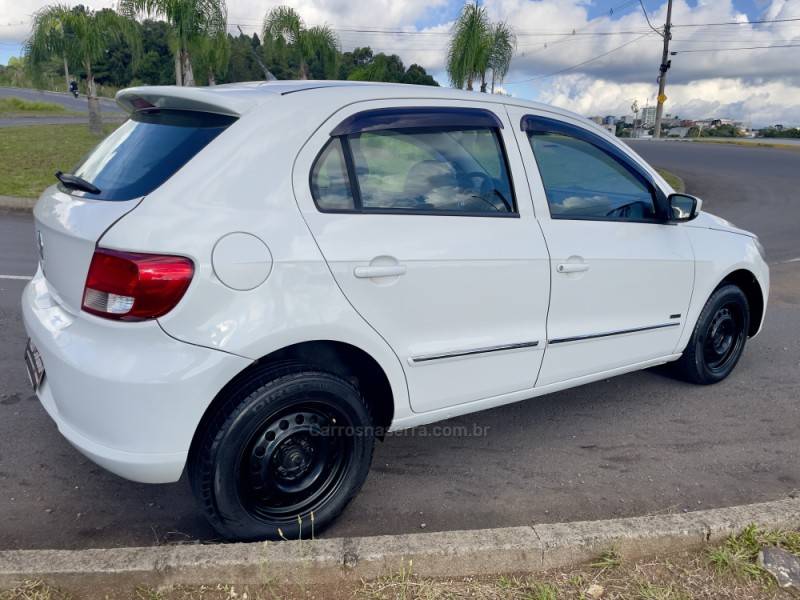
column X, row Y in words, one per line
column 132, row 286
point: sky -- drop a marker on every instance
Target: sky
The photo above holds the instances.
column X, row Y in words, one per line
column 609, row 61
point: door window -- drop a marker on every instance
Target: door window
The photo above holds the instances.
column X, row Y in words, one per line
column 452, row 169
column 583, row 181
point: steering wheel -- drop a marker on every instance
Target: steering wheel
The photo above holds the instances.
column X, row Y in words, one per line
column 627, row 210
column 485, row 188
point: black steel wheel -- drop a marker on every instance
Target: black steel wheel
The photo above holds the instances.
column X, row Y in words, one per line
column 718, row 338
column 281, row 459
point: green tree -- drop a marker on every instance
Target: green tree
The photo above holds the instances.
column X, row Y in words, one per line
column 382, row 67
column 416, row 75
column 156, row 65
column 502, row 44
column 467, row 53
column 213, row 55
column 190, row 22
column 80, row 36
column 477, row 46
column 316, row 48
column 350, row 61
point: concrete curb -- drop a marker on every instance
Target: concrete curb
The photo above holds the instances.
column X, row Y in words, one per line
column 15, row 203
column 438, row 554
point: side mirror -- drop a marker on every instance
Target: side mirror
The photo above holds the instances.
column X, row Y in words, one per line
column 683, row 207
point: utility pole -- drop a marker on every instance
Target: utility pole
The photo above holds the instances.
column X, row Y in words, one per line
column 665, row 65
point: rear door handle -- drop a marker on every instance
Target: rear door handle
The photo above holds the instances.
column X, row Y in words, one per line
column 572, row 267
column 379, row 271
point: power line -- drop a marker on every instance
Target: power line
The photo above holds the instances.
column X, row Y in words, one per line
column 644, row 10
column 580, row 64
column 740, row 48
column 757, row 22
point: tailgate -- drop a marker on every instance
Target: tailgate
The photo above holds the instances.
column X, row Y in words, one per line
column 66, row 231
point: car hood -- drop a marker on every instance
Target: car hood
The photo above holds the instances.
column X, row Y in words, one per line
column 707, row 220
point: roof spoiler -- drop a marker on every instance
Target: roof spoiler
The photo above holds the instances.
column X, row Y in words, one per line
column 211, row 100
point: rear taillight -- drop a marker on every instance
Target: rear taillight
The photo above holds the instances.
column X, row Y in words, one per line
column 132, row 286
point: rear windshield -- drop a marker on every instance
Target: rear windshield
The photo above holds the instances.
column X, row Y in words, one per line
column 147, row 150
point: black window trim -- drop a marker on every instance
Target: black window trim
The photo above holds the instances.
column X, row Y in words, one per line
column 417, row 117
column 454, row 125
column 537, row 124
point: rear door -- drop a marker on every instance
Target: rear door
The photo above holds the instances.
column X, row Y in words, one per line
column 131, row 162
column 416, row 213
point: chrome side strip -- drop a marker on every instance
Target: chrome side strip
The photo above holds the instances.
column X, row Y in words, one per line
column 610, row 333
column 430, row 357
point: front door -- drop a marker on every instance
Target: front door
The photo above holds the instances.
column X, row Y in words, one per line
column 621, row 277
column 416, row 214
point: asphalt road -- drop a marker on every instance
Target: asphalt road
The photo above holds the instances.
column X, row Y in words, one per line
column 66, row 100
column 637, row 444
column 108, row 107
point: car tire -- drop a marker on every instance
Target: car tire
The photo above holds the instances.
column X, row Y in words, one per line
column 282, row 455
column 718, row 339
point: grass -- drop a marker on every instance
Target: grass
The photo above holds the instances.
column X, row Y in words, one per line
column 739, row 554
column 676, row 182
column 725, row 572
column 29, row 155
column 735, row 142
column 19, row 107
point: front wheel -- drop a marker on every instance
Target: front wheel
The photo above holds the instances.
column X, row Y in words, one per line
column 718, row 338
column 284, row 459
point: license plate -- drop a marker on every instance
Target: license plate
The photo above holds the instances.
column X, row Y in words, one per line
column 33, row 365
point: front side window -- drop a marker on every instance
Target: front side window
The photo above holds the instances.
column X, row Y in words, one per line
column 458, row 170
column 583, row 181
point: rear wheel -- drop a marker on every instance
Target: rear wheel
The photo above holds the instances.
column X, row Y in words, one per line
column 284, row 459
column 718, row 339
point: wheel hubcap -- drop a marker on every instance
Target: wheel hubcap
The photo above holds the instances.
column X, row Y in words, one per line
column 294, row 462
column 724, row 338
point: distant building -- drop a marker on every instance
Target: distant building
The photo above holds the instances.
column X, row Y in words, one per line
column 649, row 116
column 609, row 120
column 598, row 120
column 679, row 132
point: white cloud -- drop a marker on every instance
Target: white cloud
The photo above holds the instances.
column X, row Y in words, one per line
column 756, row 103
column 759, row 85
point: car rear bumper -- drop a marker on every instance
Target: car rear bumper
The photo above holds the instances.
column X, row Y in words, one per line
column 126, row 395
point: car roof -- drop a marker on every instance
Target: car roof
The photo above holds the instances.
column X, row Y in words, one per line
column 240, row 98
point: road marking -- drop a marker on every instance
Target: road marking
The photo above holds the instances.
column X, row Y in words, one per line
column 19, row 277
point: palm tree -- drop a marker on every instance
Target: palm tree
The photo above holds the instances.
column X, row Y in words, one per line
column 476, row 46
column 318, row 44
column 214, row 54
column 468, row 52
column 501, row 51
column 190, row 20
column 79, row 35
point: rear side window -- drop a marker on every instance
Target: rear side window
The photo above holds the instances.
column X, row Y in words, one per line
column 147, row 150
column 450, row 169
column 330, row 184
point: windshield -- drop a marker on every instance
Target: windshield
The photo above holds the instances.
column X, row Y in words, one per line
column 147, row 150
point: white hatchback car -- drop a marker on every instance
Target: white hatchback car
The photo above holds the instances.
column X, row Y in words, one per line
column 254, row 281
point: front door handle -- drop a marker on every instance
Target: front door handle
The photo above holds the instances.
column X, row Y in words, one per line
column 372, row 272
column 572, row 267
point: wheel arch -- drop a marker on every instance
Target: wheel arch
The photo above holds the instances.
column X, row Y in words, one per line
column 340, row 358
column 746, row 280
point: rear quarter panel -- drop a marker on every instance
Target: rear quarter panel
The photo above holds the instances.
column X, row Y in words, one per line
column 242, row 182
